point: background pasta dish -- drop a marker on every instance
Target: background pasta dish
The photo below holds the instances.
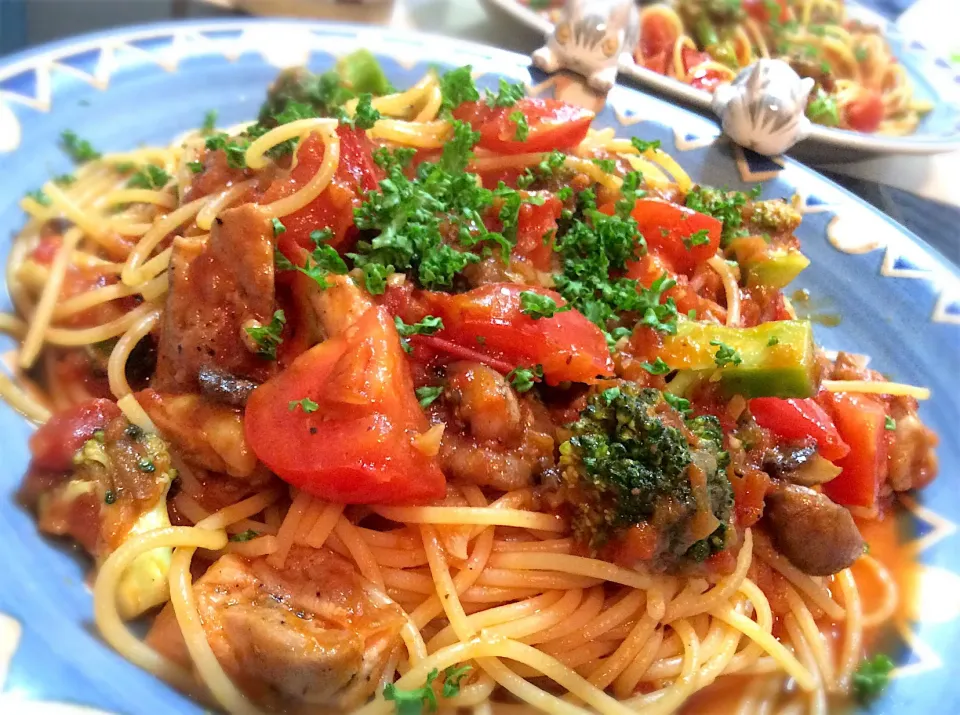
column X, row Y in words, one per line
column 859, row 83
column 400, row 399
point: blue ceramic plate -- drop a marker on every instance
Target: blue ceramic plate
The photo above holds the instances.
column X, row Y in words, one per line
column 899, row 300
column 934, row 78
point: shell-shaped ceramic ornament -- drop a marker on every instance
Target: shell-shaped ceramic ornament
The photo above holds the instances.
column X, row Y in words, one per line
column 763, row 108
column 590, row 38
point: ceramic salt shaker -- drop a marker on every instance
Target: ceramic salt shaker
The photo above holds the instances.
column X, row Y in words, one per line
column 763, row 108
column 590, row 38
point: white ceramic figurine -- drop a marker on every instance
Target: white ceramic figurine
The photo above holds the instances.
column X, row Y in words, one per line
column 589, row 38
column 763, row 108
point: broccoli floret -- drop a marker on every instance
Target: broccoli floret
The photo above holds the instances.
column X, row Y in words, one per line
column 774, row 215
column 629, row 460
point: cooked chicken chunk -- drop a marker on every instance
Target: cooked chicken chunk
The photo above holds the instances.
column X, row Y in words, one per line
column 305, row 637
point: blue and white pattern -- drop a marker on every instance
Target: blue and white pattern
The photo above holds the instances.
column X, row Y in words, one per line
column 900, row 303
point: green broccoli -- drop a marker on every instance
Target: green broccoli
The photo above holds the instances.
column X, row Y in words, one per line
column 629, row 460
column 131, row 471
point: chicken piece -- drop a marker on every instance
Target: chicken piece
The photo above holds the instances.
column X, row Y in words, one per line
column 206, row 434
column 492, row 437
column 818, row 537
column 340, row 304
column 911, row 460
column 216, row 289
column 295, row 639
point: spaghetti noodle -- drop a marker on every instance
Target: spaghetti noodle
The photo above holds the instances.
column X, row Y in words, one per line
column 497, row 566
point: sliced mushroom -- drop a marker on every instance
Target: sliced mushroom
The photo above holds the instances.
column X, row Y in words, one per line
column 818, row 536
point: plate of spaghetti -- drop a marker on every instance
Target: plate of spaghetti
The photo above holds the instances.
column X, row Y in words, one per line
column 875, row 90
column 356, row 371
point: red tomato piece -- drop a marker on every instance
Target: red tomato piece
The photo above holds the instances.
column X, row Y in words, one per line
column 691, row 58
column 864, row 113
column 489, row 319
column 333, row 208
column 796, row 419
column 552, row 124
column 534, row 224
column 861, row 422
column 357, row 445
column 759, row 10
column 657, row 35
column 707, row 79
column 55, row 442
column 668, row 227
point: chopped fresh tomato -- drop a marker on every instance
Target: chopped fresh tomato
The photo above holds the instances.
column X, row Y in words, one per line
column 691, row 58
column 680, row 236
column 796, row 419
column 489, row 319
column 860, row 421
column 333, row 208
column 864, row 113
column 551, row 124
column 657, row 35
column 355, row 442
column 759, row 10
column 55, row 442
column 651, row 266
column 708, row 78
column 46, row 249
column 536, row 229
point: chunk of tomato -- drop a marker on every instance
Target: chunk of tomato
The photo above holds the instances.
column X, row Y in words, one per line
column 489, row 319
column 657, row 35
column 551, row 124
column 759, row 10
column 861, row 422
column 536, row 229
column 333, row 208
column 796, row 419
column 682, row 237
column 355, row 443
column 55, row 442
column 865, row 112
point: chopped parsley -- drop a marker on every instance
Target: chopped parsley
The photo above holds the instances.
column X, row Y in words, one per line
column 109, row 496
column 278, row 226
column 80, row 150
column 195, row 166
column 416, row 218
column 725, row 355
column 321, row 262
column 642, row 145
column 64, row 179
column 523, row 129
column 145, row 465
column 245, row 535
column 680, row 404
column 889, row 423
column 506, row 96
column 610, row 394
column 457, row 87
column 606, row 165
column 235, row 149
column 724, row 206
column 412, row 702
column 365, row 115
column 209, row 122
column 861, row 54
column 267, row 337
column 657, row 368
column 774, row 340
column 537, row 305
column 697, row 238
column 822, row 109
column 871, row 677
column 451, row 679
column 523, row 379
column 427, row 395
column 40, row 197
column 306, row 404
column 149, row 176
column 428, row 326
